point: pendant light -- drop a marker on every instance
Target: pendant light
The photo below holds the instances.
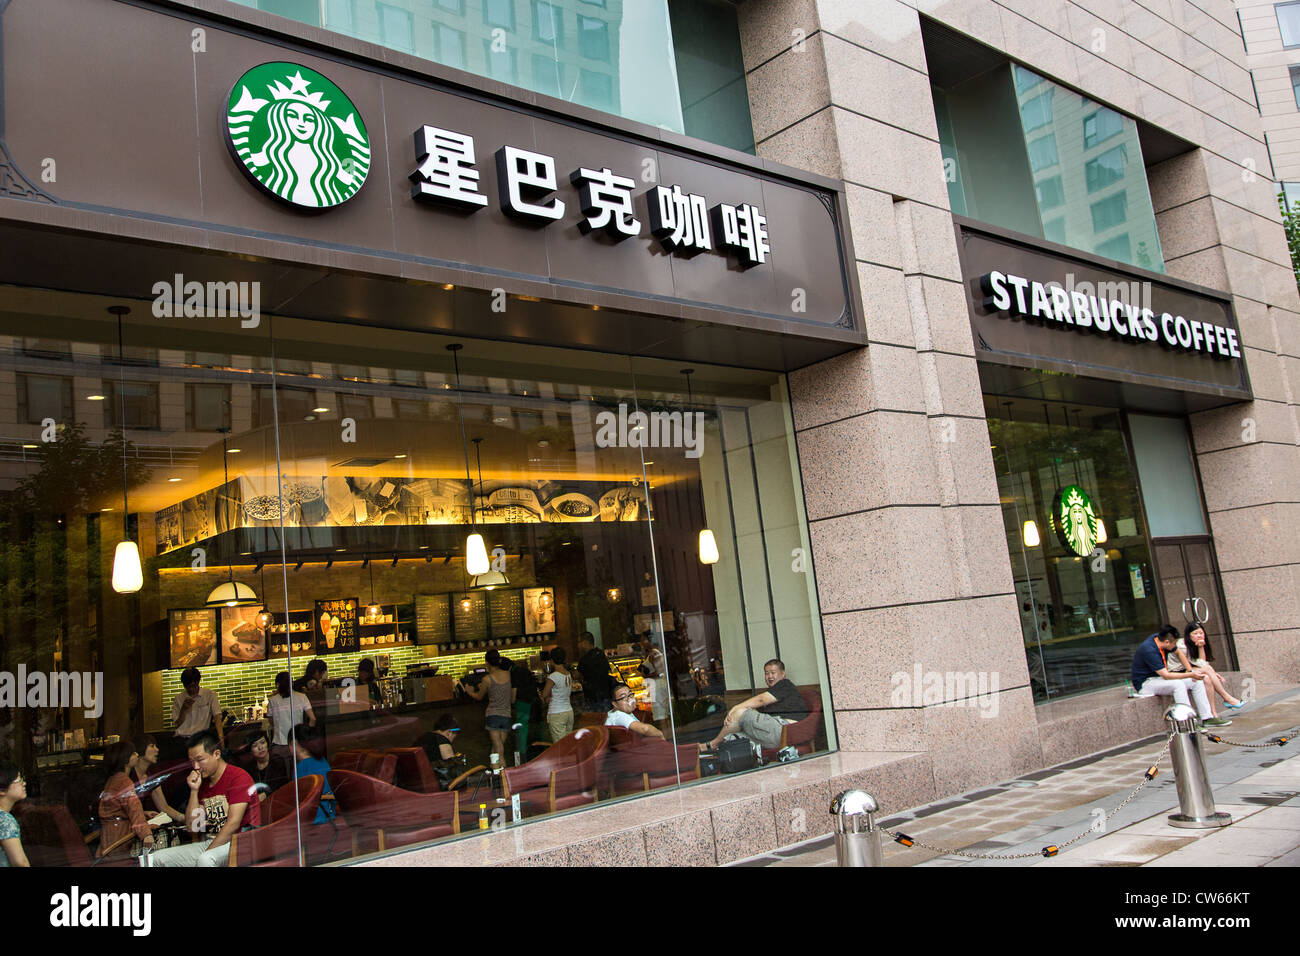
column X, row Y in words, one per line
column 231, row 593
column 1029, row 531
column 491, row 578
column 708, row 544
column 128, row 575
column 476, row 559
column 265, row 618
column 373, row 611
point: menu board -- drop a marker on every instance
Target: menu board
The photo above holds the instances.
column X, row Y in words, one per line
column 335, row 625
column 469, row 616
column 193, row 637
column 241, row 638
column 506, row 612
column 433, row 618
column 297, row 634
column 539, row 611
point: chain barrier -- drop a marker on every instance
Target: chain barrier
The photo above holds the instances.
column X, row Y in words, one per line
column 1279, row 741
column 1047, row 851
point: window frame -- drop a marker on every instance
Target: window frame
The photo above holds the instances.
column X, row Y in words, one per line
column 510, row 27
column 557, row 12
column 1277, row 13
column 1120, row 198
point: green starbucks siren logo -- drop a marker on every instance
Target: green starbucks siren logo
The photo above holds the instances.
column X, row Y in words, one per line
column 1075, row 520
column 297, row 135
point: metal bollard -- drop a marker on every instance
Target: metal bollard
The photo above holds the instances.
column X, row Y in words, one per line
column 1195, row 798
column 857, row 841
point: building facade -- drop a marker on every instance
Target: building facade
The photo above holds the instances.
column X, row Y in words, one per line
column 941, row 351
column 1273, row 57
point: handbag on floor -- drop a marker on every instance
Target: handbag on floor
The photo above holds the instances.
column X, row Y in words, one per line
column 736, row 754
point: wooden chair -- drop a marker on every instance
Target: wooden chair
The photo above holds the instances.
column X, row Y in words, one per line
column 566, row 775
column 277, row 843
column 415, row 773
column 802, row 735
column 391, row 815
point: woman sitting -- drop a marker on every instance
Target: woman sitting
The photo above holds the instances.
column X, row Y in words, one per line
column 120, row 812
column 146, row 758
column 13, row 788
column 1192, row 650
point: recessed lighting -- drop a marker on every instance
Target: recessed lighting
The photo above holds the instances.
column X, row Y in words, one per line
column 105, row 509
column 448, row 286
column 647, row 462
column 595, row 308
column 399, row 456
column 424, row 547
column 499, row 421
column 309, row 418
column 233, row 451
column 340, row 549
column 94, row 398
column 543, row 444
column 320, row 411
column 29, row 445
column 173, row 479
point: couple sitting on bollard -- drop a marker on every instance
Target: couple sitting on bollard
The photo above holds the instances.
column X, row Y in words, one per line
column 1161, row 667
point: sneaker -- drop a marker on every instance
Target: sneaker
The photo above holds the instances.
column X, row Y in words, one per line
column 786, row 754
column 1216, row 722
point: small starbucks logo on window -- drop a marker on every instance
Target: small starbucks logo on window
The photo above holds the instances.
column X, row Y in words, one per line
column 1075, row 520
column 297, row 135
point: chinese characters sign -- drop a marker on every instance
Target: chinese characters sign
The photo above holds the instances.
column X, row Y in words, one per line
column 336, row 626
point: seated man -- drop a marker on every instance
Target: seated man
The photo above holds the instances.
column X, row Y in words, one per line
column 621, row 715
column 1152, row 677
column 221, row 803
column 762, row 716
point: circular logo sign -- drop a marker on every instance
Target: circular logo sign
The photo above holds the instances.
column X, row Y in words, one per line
column 1075, row 521
column 297, row 135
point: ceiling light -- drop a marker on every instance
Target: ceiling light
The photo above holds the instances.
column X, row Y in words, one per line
column 708, row 547
column 128, row 576
column 400, row 456
column 309, row 418
column 320, row 411
column 499, row 421
column 173, row 479
column 448, row 286
column 233, row 451
column 232, row 594
column 94, row 398
column 29, row 445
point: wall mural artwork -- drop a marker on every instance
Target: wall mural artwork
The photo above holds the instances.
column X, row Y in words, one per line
column 347, row 502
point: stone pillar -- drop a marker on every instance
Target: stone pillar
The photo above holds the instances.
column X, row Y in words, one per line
column 918, row 608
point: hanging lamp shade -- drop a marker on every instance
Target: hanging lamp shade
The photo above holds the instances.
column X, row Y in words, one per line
column 232, row 594
column 476, row 558
column 1031, row 534
column 128, row 576
column 1101, row 531
column 488, row 581
column 265, row 619
column 373, row 613
column 708, row 547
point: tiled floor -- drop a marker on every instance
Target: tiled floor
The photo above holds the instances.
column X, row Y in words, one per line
column 1259, row 787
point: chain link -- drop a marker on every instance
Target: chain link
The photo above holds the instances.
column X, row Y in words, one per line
column 1279, row 741
column 945, row 851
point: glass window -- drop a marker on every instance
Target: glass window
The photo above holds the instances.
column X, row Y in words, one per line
column 1055, row 230
column 1051, row 193
column 341, row 15
column 1106, row 168
column 1291, row 195
column 304, row 11
column 396, row 29
column 499, row 13
column 138, row 406
column 451, row 6
column 1100, row 126
column 1119, row 248
column 597, row 88
column 500, row 63
column 1164, row 462
column 1042, row 152
column 1026, row 79
column 593, row 38
column 47, row 349
column 1295, row 84
column 1288, row 21
column 548, row 23
column 1037, row 112
column 44, row 396
column 1084, row 603
column 207, row 408
column 1110, row 212
column 548, row 75
column 449, row 46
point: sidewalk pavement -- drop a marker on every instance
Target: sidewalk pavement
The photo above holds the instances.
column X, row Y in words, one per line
column 1259, row 787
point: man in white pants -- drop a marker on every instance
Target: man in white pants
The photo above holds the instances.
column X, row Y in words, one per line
column 1152, row 678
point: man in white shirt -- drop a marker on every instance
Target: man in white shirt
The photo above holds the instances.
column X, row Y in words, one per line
column 621, row 715
column 194, row 709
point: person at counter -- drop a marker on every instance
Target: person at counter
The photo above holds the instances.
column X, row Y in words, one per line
column 120, row 812
column 500, row 694
column 220, row 803
column 313, row 678
column 195, row 709
column 621, row 714
column 13, row 789
column 555, row 695
column 146, row 757
column 366, row 677
column 597, row 685
column 288, row 709
column 267, row 769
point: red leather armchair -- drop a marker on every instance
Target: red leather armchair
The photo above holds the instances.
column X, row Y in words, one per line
column 383, row 816
column 379, row 765
column 637, row 764
column 802, row 735
column 565, row 775
column 276, row 843
column 415, row 773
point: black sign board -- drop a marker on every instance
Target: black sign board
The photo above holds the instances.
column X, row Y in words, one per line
column 336, row 626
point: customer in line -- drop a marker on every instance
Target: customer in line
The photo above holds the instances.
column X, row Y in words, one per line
column 288, row 708
column 1151, row 676
column 13, row 789
column 762, row 717
column 146, row 758
column 220, row 805
column 1194, row 651
column 521, row 678
column 194, row 709
column 120, row 812
column 620, row 715
column 555, row 695
column 500, row 694
column 593, row 666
